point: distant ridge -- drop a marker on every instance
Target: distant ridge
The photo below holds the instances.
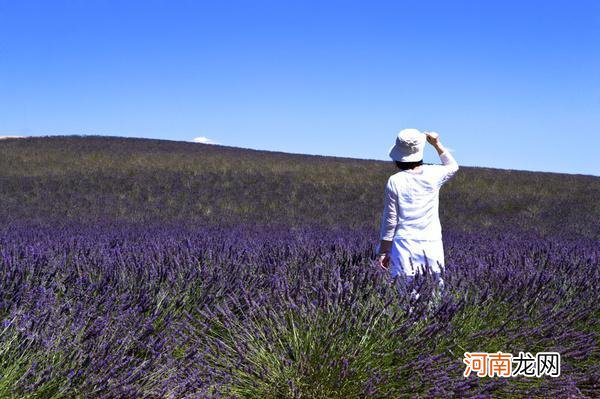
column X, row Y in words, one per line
column 264, row 151
column 150, row 180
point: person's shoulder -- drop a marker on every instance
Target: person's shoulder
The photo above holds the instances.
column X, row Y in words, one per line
column 396, row 176
column 395, row 179
column 434, row 168
column 433, row 172
column 439, row 174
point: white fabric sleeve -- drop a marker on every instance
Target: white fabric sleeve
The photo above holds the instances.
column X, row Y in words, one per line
column 448, row 168
column 389, row 218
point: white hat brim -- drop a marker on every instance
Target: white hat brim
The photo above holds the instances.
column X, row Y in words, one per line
column 400, row 155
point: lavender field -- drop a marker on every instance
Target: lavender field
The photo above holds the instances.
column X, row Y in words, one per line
column 135, row 268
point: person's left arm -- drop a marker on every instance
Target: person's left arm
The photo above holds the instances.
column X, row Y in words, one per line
column 388, row 224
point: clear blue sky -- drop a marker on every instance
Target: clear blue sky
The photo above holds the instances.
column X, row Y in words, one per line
column 508, row 84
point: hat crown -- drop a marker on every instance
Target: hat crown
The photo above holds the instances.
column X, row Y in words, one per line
column 411, row 139
column 409, row 145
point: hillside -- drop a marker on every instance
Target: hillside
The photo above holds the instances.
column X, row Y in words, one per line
column 159, row 269
column 91, row 178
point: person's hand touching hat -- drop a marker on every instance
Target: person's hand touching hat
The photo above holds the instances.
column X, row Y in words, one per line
column 432, row 137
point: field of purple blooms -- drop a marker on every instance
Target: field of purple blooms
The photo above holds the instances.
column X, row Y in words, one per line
column 134, row 268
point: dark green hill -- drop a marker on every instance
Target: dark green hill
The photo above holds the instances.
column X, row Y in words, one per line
column 92, row 178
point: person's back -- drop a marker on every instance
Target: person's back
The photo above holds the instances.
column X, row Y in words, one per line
column 418, row 200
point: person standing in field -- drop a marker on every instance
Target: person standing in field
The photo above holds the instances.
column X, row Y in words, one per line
column 411, row 233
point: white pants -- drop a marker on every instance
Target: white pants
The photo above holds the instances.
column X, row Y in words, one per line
column 408, row 257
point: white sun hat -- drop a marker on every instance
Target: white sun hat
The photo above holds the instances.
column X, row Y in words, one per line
column 409, row 146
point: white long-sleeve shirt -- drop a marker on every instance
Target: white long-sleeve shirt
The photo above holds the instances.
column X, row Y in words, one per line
column 411, row 201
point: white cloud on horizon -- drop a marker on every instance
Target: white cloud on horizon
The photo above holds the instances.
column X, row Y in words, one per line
column 11, row 137
column 204, row 140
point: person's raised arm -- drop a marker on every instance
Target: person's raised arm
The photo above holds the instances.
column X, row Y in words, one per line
column 449, row 164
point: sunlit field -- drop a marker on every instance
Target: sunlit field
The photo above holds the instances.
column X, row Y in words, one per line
column 135, row 268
